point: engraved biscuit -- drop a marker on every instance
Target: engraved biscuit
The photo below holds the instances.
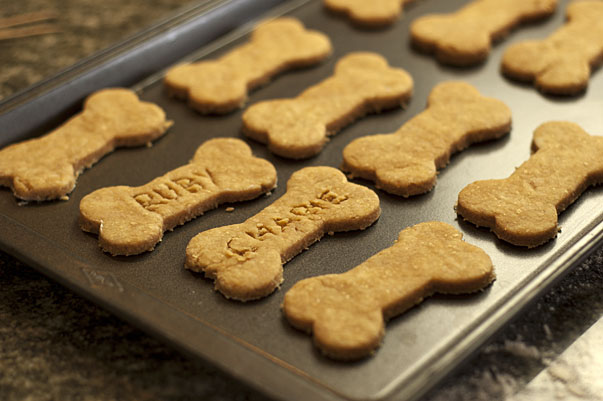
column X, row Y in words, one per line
column 374, row 13
column 522, row 209
column 131, row 220
column 464, row 37
column 298, row 128
column 561, row 64
column 47, row 167
column 346, row 312
column 220, row 86
column 405, row 162
column 246, row 259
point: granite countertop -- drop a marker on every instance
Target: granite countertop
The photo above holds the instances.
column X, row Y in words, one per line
column 55, row 345
column 86, row 26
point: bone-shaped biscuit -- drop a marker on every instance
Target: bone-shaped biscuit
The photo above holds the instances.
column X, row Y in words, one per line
column 132, row 220
column 298, row 128
column 561, row 64
column 374, row 13
column 220, row 86
column 522, row 209
column 246, row 259
column 346, row 312
column 47, row 167
column 463, row 38
column 405, row 162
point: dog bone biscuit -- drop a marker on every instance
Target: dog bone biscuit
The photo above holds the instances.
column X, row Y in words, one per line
column 375, row 13
column 246, row 259
column 346, row 312
column 47, row 167
column 463, row 38
column 561, row 64
column 131, row 220
column 220, row 86
column 298, row 128
column 522, row 209
column 405, row 162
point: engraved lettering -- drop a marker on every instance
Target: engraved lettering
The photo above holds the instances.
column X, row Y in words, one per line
column 308, row 210
column 172, row 190
column 132, row 220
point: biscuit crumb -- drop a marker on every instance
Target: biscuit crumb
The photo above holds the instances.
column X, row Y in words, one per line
column 229, row 209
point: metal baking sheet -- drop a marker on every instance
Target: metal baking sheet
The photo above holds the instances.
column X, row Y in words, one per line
column 252, row 341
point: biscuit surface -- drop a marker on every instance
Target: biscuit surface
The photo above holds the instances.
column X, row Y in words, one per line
column 298, row 128
column 562, row 63
column 464, row 37
column 405, row 162
column 346, row 312
column 374, row 13
column 46, row 168
column 522, row 209
column 131, row 220
column 245, row 260
column 220, row 86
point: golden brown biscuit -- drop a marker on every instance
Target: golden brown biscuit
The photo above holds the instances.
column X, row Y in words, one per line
column 370, row 14
column 220, row 86
column 405, row 162
column 463, row 38
column 47, row 167
column 346, row 312
column 131, row 220
column 298, row 128
column 522, row 209
column 246, row 260
column 561, row 64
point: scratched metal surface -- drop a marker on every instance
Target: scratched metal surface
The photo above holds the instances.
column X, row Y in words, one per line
column 252, row 341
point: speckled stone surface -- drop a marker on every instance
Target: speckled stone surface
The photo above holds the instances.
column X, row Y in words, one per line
column 506, row 365
column 86, row 26
column 55, row 345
